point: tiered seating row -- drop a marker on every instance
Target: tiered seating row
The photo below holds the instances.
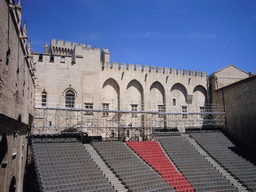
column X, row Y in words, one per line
column 217, row 145
column 199, row 172
column 152, row 153
column 66, row 166
column 54, row 140
column 130, row 169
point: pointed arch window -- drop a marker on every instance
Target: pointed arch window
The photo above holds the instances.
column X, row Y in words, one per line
column 44, row 98
column 70, row 99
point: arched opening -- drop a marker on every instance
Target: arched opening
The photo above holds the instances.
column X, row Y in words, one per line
column 3, row 147
column 200, row 95
column 134, row 93
column 70, row 99
column 179, row 93
column 13, row 185
column 135, row 102
column 179, row 99
column 157, row 96
column 199, row 100
column 44, row 98
column 111, row 94
column 111, row 101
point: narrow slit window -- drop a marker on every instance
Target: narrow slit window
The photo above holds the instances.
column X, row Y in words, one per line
column 40, row 59
column 174, row 102
column 52, row 58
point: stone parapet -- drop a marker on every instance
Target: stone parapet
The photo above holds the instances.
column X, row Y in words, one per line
column 61, row 47
column 151, row 69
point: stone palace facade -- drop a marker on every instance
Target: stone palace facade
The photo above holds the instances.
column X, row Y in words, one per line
column 79, row 76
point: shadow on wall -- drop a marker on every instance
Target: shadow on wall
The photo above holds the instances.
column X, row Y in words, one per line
column 13, row 185
column 3, row 147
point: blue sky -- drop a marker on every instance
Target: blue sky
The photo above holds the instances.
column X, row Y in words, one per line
column 204, row 35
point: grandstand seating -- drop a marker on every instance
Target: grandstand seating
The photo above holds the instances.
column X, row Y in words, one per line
column 64, row 165
column 217, row 146
column 129, row 168
column 199, row 172
column 152, row 153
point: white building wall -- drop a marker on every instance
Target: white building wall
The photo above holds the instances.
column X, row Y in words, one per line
column 89, row 73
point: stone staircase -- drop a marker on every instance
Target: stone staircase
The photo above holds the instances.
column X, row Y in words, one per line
column 218, row 167
column 119, row 187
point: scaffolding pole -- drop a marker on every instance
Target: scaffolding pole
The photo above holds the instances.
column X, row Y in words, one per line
column 54, row 120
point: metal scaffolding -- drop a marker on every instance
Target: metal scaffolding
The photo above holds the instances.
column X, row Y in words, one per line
column 54, row 120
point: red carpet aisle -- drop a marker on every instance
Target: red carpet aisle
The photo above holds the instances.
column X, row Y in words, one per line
column 152, row 153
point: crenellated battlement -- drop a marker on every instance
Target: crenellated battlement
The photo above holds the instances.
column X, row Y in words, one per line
column 66, row 44
column 150, row 69
column 76, row 51
column 64, row 48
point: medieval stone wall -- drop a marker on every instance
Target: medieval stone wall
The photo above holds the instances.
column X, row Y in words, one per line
column 88, row 73
column 240, row 100
column 16, row 96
